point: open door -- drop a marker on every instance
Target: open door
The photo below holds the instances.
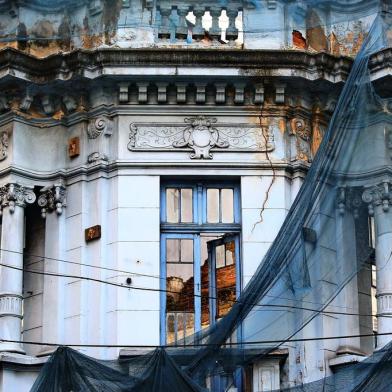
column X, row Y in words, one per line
column 224, row 282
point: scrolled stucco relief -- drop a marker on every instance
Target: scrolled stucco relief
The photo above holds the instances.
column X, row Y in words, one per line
column 52, row 198
column 302, row 133
column 99, row 126
column 14, row 194
column 200, row 136
column 4, row 143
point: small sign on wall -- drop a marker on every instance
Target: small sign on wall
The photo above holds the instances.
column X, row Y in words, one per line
column 92, row 233
column 73, row 147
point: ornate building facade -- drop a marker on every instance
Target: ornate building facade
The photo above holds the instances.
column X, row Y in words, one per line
column 153, row 146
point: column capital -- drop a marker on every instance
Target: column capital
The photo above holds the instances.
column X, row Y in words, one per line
column 378, row 195
column 349, row 199
column 14, row 194
column 52, row 198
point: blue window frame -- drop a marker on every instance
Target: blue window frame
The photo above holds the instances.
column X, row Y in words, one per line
column 197, row 217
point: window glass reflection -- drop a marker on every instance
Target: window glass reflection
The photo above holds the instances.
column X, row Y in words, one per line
column 186, row 205
column 212, row 205
column 227, row 199
column 172, row 205
column 180, row 289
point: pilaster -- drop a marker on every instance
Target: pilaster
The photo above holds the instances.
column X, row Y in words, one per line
column 14, row 198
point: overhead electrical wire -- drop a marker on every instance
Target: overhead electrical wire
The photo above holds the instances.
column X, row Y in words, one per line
column 129, row 287
column 255, row 342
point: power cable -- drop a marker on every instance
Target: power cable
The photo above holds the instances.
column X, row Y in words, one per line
column 96, row 280
column 198, row 344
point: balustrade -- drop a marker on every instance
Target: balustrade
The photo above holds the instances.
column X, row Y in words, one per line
column 194, row 22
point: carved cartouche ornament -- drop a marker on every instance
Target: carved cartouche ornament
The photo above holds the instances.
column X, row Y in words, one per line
column 201, row 136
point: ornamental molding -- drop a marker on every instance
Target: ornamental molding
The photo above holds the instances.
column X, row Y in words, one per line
column 349, row 199
column 201, row 137
column 302, row 132
column 52, row 198
column 378, row 195
column 388, row 135
column 4, row 143
column 97, row 156
column 14, row 194
column 11, row 305
column 99, row 126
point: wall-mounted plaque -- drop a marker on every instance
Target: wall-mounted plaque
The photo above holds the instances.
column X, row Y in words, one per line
column 73, row 147
column 92, row 233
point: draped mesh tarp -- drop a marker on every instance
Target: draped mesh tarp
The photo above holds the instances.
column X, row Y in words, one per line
column 309, row 270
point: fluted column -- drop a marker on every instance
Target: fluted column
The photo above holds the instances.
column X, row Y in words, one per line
column 14, row 198
column 379, row 200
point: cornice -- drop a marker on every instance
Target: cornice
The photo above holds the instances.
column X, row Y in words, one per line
column 108, row 170
column 161, row 61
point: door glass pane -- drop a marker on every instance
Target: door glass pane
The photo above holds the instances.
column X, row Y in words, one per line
column 220, row 256
column 180, row 291
column 225, row 275
column 212, row 205
column 205, row 279
column 230, row 252
column 186, row 205
column 172, row 205
column 227, row 198
column 172, row 250
column 187, row 251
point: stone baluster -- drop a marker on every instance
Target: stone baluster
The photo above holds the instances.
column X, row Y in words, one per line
column 215, row 31
column 198, row 31
column 232, row 31
column 14, row 198
column 379, row 200
column 164, row 29
column 182, row 28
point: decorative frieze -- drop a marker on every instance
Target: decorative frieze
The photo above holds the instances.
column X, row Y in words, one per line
column 378, row 195
column 11, row 305
column 52, row 198
column 14, row 194
column 201, row 136
column 99, row 126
